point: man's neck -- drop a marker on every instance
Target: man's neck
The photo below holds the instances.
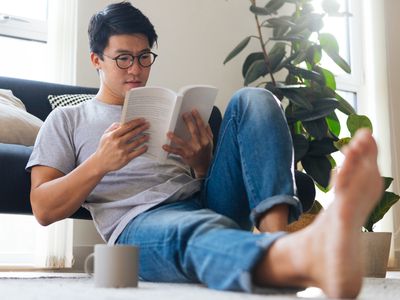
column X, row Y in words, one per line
column 109, row 98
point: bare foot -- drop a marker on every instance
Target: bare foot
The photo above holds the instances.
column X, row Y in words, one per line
column 327, row 254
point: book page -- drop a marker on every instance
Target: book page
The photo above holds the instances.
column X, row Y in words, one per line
column 200, row 97
column 156, row 105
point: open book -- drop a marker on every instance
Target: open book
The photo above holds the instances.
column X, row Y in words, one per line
column 163, row 109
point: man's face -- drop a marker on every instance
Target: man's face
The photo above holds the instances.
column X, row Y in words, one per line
column 115, row 82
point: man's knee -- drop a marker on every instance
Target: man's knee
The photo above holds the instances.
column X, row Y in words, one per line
column 257, row 101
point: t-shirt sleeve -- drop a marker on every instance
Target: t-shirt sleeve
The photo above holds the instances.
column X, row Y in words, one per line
column 54, row 146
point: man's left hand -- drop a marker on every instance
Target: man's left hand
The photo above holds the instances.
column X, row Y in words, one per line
column 196, row 152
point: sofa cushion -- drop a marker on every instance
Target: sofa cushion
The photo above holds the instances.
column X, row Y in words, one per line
column 68, row 99
column 7, row 97
column 16, row 125
column 15, row 181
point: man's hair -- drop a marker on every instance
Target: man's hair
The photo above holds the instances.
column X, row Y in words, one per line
column 115, row 19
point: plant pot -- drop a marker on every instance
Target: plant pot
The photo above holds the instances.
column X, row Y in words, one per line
column 376, row 247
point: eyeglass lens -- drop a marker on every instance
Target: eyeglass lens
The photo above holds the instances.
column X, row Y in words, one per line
column 124, row 61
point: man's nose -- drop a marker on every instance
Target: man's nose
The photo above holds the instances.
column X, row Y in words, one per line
column 135, row 68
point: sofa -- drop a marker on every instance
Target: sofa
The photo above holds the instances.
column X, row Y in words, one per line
column 15, row 181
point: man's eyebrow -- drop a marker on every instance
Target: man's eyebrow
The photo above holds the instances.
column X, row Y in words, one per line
column 124, row 51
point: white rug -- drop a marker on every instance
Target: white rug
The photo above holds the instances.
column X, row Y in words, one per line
column 77, row 286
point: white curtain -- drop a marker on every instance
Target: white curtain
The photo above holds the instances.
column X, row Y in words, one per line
column 393, row 65
column 62, row 40
column 378, row 100
column 54, row 243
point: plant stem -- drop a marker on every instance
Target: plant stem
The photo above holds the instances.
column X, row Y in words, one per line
column 266, row 57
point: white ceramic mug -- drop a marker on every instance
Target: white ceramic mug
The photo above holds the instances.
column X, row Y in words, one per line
column 115, row 266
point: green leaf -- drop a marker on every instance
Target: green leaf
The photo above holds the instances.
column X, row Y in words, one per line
column 237, row 49
column 251, row 58
column 262, row 11
column 328, row 42
column 319, row 168
column 339, row 61
column 331, row 47
column 344, row 106
column 355, row 122
column 387, row 201
column 306, row 74
column 300, row 25
column 300, row 57
column 321, row 147
column 322, row 108
column 316, row 128
column 296, row 97
column 342, row 142
column 387, row 181
column 300, row 145
column 333, row 123
column 276, row 55
column 274, row 90
column 279, row 31
column 314, row 54
column 274, row 5
column 278, row 22
column 328, row 76
column 289, row 37
column 315, row 22
column 256, row 70
column 330, row 6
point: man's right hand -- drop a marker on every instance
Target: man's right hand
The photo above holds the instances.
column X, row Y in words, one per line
column 121, row 143
column 55, row 195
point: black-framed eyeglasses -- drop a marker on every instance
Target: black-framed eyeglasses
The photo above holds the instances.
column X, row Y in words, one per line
column 125, row 61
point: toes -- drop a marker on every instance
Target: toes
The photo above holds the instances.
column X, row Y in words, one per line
column 364, row 143
column 361, row 153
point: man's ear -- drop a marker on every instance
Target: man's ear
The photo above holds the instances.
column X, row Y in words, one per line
column 95, row 59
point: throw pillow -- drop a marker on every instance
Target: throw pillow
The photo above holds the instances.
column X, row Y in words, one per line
column 18, row 126
column 7, row 97
column 68, row 99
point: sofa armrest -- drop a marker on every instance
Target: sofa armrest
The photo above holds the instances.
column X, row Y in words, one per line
column 15, row 182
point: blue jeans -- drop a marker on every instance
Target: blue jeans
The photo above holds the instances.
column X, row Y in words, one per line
column 207, row 237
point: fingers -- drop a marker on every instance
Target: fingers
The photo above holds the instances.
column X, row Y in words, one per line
column 135, row 134
column 192, row 127
column 203, row 129
column 180, row 147
column 132, row 145
column 137, row 152
column 129, row 126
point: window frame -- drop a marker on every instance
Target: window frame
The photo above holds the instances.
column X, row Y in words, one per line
column 354, row 81
column 23, row 28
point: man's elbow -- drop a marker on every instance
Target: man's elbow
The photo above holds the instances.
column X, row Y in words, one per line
column 42, row 217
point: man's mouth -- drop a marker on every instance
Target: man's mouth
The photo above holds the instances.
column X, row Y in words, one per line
column 133, row 83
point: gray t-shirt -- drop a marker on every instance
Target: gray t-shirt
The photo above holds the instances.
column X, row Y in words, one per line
column 71, row 134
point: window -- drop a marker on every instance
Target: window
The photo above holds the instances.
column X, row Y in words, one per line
column 347, row 30
column 23, row 39
column 24, row 19
column 23, row 36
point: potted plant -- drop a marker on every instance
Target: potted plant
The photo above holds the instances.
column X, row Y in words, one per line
column 291, row 47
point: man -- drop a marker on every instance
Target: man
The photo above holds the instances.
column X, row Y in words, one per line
column 197, row 228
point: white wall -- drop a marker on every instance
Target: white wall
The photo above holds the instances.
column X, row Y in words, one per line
column 194, row 39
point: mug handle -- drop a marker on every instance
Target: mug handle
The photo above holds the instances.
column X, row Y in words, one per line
column 86, row 265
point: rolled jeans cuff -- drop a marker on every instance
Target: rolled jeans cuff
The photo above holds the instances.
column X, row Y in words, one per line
column 295, row 208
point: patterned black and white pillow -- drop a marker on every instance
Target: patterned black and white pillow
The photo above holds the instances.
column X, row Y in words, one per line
column 68, row 99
